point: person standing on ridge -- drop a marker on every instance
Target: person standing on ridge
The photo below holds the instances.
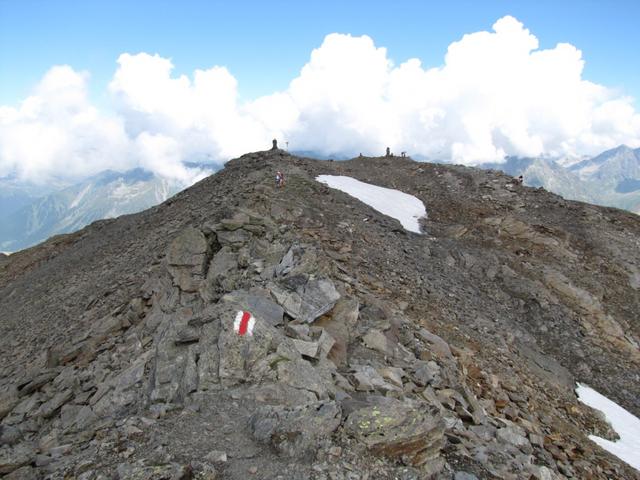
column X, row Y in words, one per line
column 279, row 179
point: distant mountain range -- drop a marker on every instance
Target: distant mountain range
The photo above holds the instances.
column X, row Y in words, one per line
column 26, row 219
column 610, row 179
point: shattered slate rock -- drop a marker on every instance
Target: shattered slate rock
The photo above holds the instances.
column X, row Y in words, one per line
column 295, row 431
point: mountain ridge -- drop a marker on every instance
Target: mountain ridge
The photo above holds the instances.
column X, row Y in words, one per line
column 118, row 339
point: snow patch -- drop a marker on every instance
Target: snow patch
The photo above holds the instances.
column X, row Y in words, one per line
column 405, row 208
column 80, row 196
column 624, row 423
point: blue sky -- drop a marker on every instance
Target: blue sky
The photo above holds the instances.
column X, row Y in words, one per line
column 90, row 85
column 264, row 44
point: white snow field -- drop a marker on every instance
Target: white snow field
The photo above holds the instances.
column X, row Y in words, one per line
column 624, row 423
column 405, row 208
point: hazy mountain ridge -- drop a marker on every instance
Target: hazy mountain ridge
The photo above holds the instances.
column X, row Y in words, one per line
column 610, row 179
column 106, row 195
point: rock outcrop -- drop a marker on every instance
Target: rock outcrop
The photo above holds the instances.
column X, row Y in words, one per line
column 369, row 351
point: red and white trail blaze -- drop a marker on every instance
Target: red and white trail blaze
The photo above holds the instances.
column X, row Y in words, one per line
column 244, row 323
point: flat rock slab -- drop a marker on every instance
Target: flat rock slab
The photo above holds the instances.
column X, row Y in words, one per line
column 407, row 432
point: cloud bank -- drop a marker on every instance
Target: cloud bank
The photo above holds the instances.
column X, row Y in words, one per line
column 495, row 94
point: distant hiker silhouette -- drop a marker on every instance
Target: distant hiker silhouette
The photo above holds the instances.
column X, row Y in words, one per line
column 279, row 179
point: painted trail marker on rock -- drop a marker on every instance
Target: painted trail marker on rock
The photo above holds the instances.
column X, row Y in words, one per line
column 244, row 323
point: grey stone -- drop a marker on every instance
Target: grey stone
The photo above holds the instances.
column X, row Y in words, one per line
column 308, row 349
column 240, row 355
column 464, row 476
column 223, row 269
column 339, row 325
column 325, row 344
column 8, row 400
column 368, row 379
column 238, row 220
column 50, row 407
column 186, row 259
column 376, row 340
column 12, row 458
column 216, row 456
column 9, row 435
column 209, row 360
column 139, row 471
column 37, row 382
column 436, row 344
column 406, row 432
column 300, row 374
column 426, row 373
column 234, row 238
column 393, row 374
column 309, row 300
column 23, row 473
column 295, row 431
column 119, row 392
column 286, row 264
column 513, row 435
column 187, row 335
column 258, row 303
column 298, row 331
column 275, row 394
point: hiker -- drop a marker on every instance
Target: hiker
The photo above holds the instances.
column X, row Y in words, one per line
column 279, row 179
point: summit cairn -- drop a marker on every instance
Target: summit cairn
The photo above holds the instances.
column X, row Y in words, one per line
column 275, row 144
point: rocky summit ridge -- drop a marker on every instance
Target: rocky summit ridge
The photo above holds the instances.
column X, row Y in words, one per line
column 375, row 353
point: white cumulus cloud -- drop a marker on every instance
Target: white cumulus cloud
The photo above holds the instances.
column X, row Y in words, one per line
column 496, row 93
column 57, row 131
